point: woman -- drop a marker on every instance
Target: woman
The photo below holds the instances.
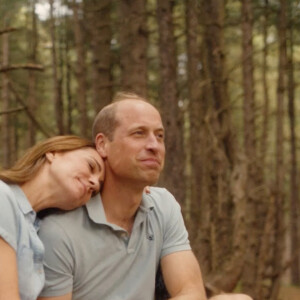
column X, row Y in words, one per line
column 61, row 172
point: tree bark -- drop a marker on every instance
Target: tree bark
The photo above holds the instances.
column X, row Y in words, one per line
column 5, row 103
column 67, row 82
column 58, row 103
column 266, row 112
column 80, row 69
column 226, row 172
column 32, row 103
column 173, row 119
column 197, row 212
column 279, row 172
column 99, row 24
column 133, row 42
column 294, row 192
column 256, row 203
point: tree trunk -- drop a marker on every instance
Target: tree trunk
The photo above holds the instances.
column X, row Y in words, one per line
column 99, row 23
column 133, row 41
column 226, row 172
column 32, row 103
column 279, row 183
column 170, row 107
column 80, row 69
column 256, row 200
column 68, row 76
column 56, row 77
column 294, row 192
column 249, row 273
column 197, row 212
column 265, row 129
column 5, row 103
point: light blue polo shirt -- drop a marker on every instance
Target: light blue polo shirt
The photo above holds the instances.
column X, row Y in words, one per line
column 96, row 260
column 18, row 227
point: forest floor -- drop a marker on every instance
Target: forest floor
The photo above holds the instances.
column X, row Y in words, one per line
column 289, row 293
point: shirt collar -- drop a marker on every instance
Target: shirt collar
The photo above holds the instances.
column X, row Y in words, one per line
column 22, row 200
column 96, row 211
column 147, row 202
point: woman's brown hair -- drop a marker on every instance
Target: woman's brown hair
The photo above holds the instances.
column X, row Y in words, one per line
column 33, row 159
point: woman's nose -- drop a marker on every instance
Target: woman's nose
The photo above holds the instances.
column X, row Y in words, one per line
column 95, row 183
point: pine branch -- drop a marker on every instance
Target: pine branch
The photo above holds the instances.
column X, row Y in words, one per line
column 13, row 110
column 6, row 30
column 22, row 66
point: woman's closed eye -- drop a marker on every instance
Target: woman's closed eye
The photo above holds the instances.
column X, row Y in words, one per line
column 92, row 166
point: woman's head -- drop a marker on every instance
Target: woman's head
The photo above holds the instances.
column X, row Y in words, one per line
column 35, row 157
column 72, row 177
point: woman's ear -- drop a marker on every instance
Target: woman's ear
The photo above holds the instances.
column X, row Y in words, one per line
column 101, row 142
column 50, row 156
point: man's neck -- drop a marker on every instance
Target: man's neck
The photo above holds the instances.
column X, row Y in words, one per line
column 121, row 202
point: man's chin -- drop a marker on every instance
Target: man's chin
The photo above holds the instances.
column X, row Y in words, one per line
column 152, row 181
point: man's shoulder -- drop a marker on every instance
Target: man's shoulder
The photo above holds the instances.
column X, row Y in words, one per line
column 63, row 227
column 159, row 191
column 162, row 198
column 64, row 219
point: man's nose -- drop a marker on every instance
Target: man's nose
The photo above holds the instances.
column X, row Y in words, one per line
column 152, row 142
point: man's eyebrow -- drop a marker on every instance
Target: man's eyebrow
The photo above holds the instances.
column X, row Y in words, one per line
column 161, row 129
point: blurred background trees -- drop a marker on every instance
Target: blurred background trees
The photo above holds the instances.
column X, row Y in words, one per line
column 225, row 76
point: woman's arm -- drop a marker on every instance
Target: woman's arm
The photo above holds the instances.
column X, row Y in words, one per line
column 9, row 272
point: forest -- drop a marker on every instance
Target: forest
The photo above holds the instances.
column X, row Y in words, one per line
column 225, row 76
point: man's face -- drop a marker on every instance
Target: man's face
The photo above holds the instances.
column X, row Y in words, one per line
column 136, row 153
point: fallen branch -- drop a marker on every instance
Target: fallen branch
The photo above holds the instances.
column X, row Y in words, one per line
column 13, row 110
column 22, row 66
column 6, row 30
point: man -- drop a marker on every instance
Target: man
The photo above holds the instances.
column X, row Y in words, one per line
column 111, row 248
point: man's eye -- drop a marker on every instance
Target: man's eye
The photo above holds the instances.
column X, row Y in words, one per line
column 139, row 132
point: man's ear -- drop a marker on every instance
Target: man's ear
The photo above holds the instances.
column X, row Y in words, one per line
column 50, row 156
column 101, row 142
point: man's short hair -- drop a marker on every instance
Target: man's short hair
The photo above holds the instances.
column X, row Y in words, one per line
column 120, row 96
column 106, row 121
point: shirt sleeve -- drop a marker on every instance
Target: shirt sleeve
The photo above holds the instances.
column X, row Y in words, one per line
column 175, row 235
column 8, row 217
column 58, row 262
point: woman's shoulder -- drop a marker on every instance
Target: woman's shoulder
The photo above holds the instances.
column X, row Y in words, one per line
column 6, row 194
column 9, row 215
column 5, row 188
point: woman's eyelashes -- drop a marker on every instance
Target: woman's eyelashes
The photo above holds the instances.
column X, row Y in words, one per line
column 91, row 166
